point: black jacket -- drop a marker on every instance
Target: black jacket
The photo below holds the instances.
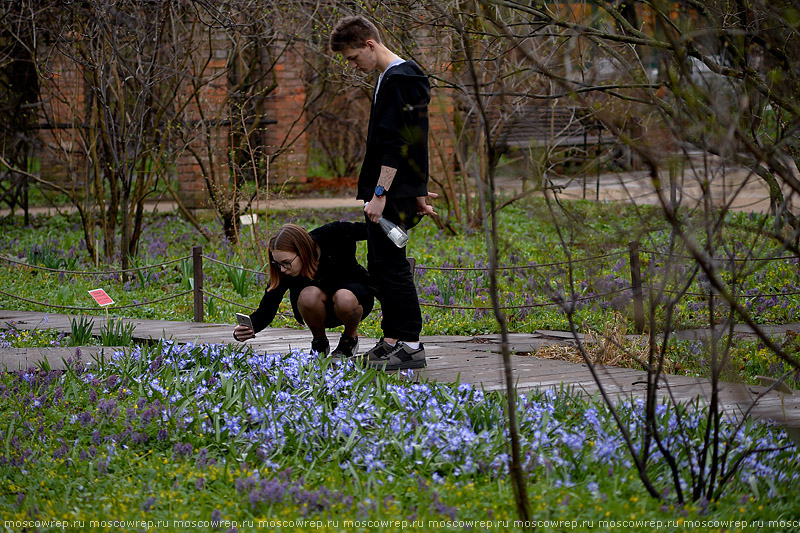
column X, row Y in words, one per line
column 337, row 265
column 398, row 134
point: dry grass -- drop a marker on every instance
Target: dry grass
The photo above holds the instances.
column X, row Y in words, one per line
column 609, row 347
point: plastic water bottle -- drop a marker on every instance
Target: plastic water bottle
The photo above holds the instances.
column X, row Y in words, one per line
column 393, row 231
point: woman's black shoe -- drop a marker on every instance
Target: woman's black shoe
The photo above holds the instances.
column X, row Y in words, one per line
column 320, row 345
column 346, row 348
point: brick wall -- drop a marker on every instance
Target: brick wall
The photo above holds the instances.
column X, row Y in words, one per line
column 63, row 94
column 285, row 105
column 203, row 164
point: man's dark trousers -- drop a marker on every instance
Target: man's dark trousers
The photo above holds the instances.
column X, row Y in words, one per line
column 391, row 273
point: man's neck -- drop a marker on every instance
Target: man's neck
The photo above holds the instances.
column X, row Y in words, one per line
column 384, row 57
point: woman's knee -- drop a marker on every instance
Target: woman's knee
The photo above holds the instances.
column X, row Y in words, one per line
column 311, row 298
column 344, row 300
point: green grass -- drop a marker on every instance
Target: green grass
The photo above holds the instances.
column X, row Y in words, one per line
column 528, row 237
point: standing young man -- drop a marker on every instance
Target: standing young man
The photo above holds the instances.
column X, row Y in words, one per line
column 393, row 182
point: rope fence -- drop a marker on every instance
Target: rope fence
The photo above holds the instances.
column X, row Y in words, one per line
column 73, row 308
column 637, row 286
column 723, row 259
column 530, row 266
column 228, row 265
column 87, row 273
column 705, row 294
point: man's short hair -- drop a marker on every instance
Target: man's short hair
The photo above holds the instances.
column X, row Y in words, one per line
column 353, row 32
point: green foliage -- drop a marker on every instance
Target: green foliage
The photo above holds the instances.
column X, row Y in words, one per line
column 186, row 278
column 50, row 257
column 65, row 295
column 211, row 307
column 69, row 263
column 43, row 255
column 117, row 333
column 81, row 334
column 143, row 274
column 240, row 278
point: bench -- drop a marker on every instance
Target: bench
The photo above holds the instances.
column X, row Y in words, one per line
column 550, row 126
column 566, row 133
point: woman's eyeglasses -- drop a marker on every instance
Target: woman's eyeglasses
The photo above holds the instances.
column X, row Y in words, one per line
column 283, row 264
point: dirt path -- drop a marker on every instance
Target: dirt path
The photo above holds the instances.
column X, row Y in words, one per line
column 169, row 206
column 738, row 188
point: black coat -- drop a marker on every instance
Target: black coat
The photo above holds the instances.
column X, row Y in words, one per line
column 398, row 134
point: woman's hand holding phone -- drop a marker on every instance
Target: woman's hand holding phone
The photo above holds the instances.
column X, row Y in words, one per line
column 244, row 330
column 243, row 333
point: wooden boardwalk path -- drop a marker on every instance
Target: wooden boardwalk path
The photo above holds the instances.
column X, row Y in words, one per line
column 472, row 360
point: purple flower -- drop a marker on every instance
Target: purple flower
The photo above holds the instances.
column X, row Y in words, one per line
column 443, row 509
column 85, row 419
column 107, row 408
column 148, row 503
column 181, row 450
column 203, row 459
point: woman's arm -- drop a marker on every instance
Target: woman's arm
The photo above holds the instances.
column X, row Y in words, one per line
column 268, row 308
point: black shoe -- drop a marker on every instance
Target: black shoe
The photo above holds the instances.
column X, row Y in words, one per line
column 320, row 345
column 346, row 348
column 379, row 350
column 402, row 357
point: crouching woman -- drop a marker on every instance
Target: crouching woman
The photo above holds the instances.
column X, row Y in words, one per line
column 327, row 286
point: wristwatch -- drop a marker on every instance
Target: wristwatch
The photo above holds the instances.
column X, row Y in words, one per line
column 379, row 191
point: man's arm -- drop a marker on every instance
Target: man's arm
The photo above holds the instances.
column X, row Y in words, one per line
column 387, row 177
column 374, row 209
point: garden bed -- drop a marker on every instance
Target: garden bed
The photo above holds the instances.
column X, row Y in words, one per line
column 167, row 431
column 206, row 432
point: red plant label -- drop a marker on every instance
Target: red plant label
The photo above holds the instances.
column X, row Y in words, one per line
column 101, row 297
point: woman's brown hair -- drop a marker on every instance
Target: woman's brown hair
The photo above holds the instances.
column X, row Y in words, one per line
column 292, row 238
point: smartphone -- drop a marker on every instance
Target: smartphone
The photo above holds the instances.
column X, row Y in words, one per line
column 244, row 320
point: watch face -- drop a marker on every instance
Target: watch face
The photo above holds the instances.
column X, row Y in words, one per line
column 379, row 190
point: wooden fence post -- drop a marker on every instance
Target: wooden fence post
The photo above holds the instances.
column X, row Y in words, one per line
column 636, row 285
column 197, row 263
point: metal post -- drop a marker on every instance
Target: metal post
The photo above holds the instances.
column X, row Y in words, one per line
column 597, row 161
column 585, row 157
column 197, row 263
column 636, row 284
